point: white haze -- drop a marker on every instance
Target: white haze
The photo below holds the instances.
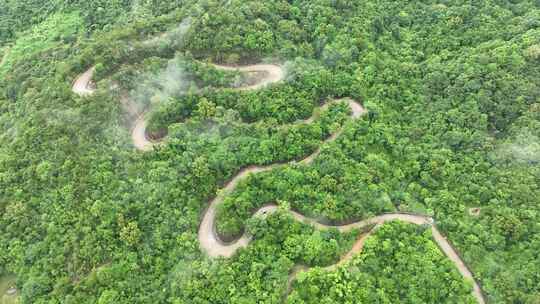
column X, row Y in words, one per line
column 173, row 80
column 174, row 37
column 523, row 148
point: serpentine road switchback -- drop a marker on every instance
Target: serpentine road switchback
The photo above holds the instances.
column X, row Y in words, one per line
column 208, row 238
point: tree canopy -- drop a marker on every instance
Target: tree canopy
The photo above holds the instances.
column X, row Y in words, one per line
column 452, row 89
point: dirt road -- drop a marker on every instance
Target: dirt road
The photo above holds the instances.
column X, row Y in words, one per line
column 270, row 74
column 209, row 240
column 214, row 247
column 83, row 84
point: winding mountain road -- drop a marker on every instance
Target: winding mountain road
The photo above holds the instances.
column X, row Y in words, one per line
column 271, row 73
column 214, row 247
column 208, row 238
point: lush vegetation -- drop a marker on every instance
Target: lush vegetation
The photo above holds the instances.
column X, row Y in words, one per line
column 399, row 259
column 453, row 90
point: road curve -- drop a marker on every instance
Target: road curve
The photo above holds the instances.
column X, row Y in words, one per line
column 83, row 83
column 377, row 221
column 226, row 250
column 82, row 86
column 271, row 73
column 138, row 135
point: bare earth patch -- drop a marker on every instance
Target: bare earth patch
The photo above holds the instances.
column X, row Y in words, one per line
column 474, row 211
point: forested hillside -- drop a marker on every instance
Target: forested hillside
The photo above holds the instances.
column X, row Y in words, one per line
column 449, row 130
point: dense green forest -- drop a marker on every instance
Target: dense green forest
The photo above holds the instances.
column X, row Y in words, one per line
column 452, row 89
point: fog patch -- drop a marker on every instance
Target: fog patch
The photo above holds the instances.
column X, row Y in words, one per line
column 195, row 133
column 10, row 128
column 153, row 89
column 300, row 69
column 174, row 38
column 522, row 148
column 181, row 277
column 170, row 82
column 59, row 118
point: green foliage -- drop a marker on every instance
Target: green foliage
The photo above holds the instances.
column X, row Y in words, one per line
column 259, row 273
column 452, row 91
column 18, row 16
column 55, row 31
column 398, row 264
